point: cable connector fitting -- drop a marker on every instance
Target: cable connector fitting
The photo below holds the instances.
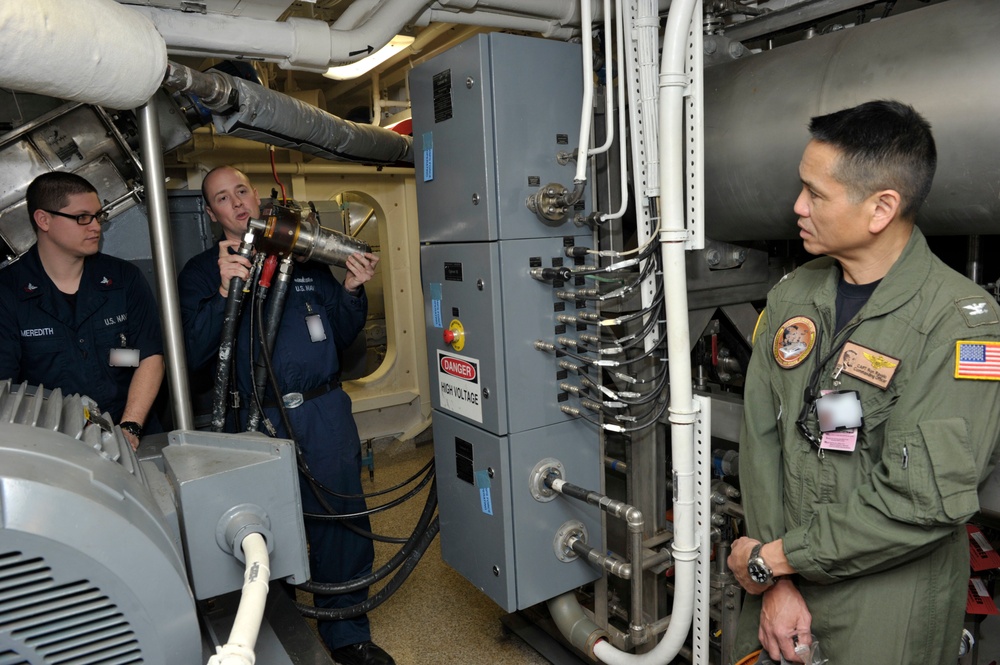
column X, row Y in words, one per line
column 548, row 347
column 577, row 251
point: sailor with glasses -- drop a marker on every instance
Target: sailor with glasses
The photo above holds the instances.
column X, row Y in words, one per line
column 75, row 319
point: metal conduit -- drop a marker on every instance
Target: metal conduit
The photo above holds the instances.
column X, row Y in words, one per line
column 163, row 261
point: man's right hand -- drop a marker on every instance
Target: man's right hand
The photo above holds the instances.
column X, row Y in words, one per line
column 231, row 264
column 783, row 615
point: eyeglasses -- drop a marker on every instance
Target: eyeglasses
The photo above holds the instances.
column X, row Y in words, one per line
column 84, row 219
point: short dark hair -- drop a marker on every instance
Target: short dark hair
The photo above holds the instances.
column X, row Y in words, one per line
column 52, row 191
column 883, row 145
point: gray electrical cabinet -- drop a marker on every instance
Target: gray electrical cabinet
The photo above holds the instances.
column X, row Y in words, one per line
column 491, row 117
column 493, row 529
column 495, row 119
column 494, row 377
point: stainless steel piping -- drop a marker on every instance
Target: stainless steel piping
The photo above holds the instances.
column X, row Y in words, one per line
column 163, row 262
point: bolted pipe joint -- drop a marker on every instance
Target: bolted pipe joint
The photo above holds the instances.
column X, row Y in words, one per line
column 550, row 203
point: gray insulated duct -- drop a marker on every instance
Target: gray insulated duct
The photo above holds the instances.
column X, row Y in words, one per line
column 90, row 570
column 271, row 117
column 942, row 59
column 248, row 110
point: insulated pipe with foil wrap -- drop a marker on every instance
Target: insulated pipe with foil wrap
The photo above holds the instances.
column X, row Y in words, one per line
column 282, row 230
column 940, row 59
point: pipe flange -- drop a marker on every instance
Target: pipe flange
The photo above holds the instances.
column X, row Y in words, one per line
column 561, row 545
column 549, row 203
column 238, row 522
column 536, row 481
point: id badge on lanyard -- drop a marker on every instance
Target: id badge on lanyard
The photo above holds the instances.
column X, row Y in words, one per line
column 840, row 417
column 123, row 357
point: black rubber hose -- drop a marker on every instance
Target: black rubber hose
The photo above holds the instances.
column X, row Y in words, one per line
column 275, row 308
column 371, row 511
column 230, row 322
column 337, row 614
column 336, row 588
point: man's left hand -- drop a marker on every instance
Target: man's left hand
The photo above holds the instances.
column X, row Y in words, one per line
column 360, row 269
column 132, row 439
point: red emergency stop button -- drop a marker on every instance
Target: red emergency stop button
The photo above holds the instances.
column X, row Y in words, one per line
column 454, row 335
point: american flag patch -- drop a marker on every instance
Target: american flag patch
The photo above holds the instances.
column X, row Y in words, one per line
column 977, row 360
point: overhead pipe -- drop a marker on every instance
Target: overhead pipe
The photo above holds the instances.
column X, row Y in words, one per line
column 119, row 73
column 299, row 168
column 245, row 109
column 313, row 45
column 548, row 28
column 296, row 43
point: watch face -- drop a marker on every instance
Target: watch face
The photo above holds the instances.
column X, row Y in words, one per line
column 759, row 572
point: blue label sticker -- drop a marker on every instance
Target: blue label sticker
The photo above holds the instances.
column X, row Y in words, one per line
column 436, row 306
column 483, row 483
column 428, row 156
column 485, row 501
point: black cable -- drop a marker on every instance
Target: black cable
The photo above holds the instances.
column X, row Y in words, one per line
column 230, row 322
column 372, row 495
column 335, row 588
column 268, row 326
column 337, row 614
column 317, row 487
column 652, row 421
column 257, row 297
column 377, row 509
column 596, row 270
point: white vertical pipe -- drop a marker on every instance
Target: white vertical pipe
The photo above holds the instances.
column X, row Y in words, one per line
column 620, row 87
column 683, row 410
column 608, row 107
column 587, row 112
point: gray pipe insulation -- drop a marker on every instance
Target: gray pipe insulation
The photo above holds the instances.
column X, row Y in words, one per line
column 942, row 59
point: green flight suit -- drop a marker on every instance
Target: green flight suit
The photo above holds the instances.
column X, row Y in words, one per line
column 877, row 534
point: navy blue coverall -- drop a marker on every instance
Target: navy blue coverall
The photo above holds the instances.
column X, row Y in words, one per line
column 43, row 340
column 324, row 426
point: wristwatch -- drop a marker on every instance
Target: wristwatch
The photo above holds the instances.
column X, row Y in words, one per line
column 133, row 428
column 757, row 568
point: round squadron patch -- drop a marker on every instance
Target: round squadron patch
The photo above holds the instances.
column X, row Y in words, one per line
column 794, row 341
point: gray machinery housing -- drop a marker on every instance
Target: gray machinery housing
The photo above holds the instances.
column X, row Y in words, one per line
column 496, row 408
column 102, row 555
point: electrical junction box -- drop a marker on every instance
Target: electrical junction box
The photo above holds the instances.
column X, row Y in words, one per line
column 222, row 479
column 492, row 375
column 495, row 119
column 493, row 530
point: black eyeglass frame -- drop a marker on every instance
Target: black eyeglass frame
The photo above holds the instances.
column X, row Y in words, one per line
column 101, row 216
